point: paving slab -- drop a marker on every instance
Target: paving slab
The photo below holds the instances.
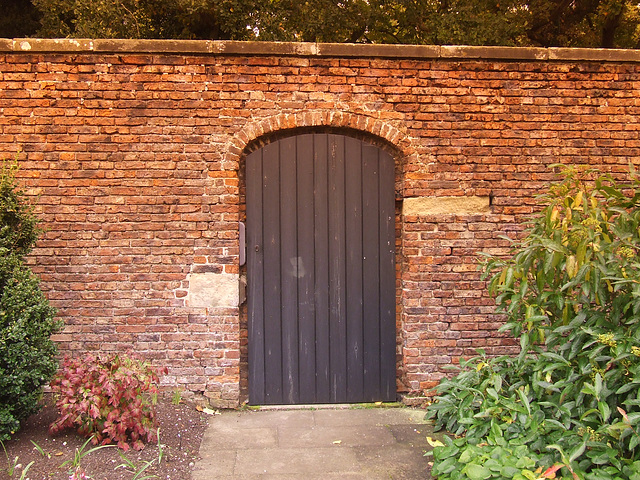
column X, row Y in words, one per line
column 263, row 418
column 214, row 460
column 324, row 476
column 298, row 461
column 315, row 444
column 238, row 438
column 412, row 435
column 346, row 436
column 398, row 463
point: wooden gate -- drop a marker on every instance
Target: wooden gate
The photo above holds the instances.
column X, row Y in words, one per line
column 321, row 271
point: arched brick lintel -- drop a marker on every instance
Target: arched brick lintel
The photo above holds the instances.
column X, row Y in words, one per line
column 405, row 153
column 308, row 119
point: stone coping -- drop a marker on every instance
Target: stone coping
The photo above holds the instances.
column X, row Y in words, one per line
column 224, row 47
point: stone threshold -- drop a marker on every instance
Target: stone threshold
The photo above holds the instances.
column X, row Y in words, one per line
column 228, row 47
column 324, row 406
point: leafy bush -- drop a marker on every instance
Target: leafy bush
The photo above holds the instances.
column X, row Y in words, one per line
column 27, row 354
column 570, row 402
column 19, row 228
column 110, row 399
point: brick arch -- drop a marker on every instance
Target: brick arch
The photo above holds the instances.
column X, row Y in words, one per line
column 399, row 144
column 309, row 119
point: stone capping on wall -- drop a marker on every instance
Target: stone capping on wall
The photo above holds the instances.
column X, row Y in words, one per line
column 227, row 47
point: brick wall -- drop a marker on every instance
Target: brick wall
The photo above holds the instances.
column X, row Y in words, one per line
column 133, row 152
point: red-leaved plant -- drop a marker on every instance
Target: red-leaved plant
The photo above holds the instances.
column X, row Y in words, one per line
column 110, row 399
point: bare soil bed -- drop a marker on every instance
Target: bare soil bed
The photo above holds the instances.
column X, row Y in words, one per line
column 181, row 431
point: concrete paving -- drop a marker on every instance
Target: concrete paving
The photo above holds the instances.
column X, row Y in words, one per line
column 345, row 443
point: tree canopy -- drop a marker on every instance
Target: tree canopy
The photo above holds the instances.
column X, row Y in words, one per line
column 570, row 23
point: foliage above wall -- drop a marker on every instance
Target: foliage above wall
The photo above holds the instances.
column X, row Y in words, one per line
column 592, row 23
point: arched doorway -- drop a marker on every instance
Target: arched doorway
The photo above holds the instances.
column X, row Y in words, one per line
column 320, row 271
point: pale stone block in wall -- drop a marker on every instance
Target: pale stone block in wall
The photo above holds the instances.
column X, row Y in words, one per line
column 446, row 206
column 209, row 290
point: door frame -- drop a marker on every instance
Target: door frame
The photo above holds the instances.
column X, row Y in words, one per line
column 398, row 161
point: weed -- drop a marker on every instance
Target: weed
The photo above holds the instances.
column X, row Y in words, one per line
column 11, row 465
column 40, row 450
column 74, row 465
column 177, row 397
column 23, row 475
column 139, row 471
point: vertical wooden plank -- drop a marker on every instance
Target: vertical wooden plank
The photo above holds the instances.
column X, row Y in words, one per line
column 337, row 273
column 371, row 272
column 289, row 268
column 387, row 279
column 321, row 267
column 354, row 291
column 272, row 274
column 306, row 271
column 255, row 278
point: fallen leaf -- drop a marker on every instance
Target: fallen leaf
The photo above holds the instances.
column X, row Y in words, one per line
column 337, row 442
column 58, row 454
column 208, row 411
column 378, row 403
column 434, row 443
column 551, row 471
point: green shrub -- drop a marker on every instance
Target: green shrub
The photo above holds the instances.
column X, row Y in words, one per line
column 571, row 294
column 27, row 354
column 19, row 228
column 109, row 399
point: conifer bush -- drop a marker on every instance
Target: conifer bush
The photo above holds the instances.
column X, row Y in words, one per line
column 27, row 353
column 568, row 406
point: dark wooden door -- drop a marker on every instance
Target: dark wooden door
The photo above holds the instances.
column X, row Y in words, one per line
column 321, row 271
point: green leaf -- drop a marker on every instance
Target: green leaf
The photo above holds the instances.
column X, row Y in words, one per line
column 529, row 475
column 604, row 410
column 524, row 400
column 477, row 472
column 492, row 393
column 556, row 357
column 445, row 466
column 509, row 472
column 598, row 386
column 467, row 455
column 589, row 389
column 633, row 417
column 577, row 452
column 496, row 431
column 494, row 465
column 497, row 382
column 508, row 280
